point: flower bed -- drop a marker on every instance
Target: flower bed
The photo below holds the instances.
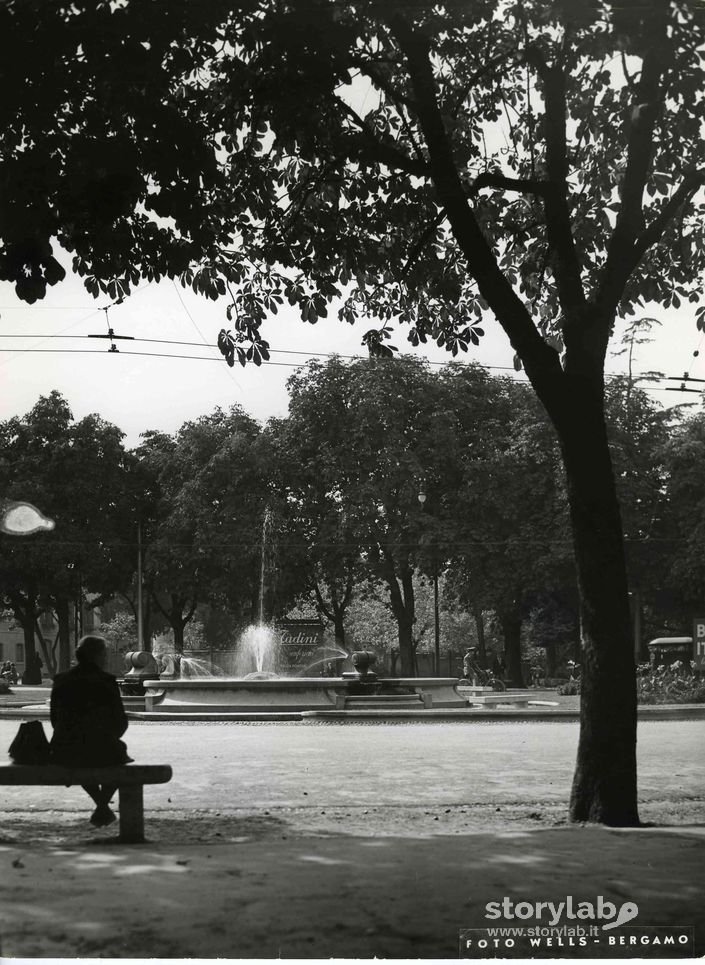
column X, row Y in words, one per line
column 673, row 684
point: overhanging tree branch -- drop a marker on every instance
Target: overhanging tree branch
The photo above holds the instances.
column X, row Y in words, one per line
column 401, row 101
column 558, row 225
column 541, row 362
column 191, row 611
column 653, row 233
column 421, row 242
column 640, row 147
column 366, row 145
column 321, row 602
column 348, row 589
column 680, row 197
column 486, row 69
column 523, row 185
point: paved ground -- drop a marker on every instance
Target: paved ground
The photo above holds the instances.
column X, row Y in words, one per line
column 311, row 840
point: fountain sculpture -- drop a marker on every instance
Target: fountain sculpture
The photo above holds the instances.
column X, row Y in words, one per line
column 260, row 688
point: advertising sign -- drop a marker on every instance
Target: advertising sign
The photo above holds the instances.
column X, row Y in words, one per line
column 699, row 643
column 300, row 643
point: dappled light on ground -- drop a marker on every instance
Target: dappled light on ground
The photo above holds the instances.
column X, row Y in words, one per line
column 362, row 896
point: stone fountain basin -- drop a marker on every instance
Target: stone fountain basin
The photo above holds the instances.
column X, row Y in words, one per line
column 233, row 694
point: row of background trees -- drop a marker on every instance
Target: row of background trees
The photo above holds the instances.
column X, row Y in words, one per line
column 338, row 481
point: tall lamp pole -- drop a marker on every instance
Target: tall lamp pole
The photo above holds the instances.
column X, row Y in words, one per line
column 140, row 615
column 436, row 620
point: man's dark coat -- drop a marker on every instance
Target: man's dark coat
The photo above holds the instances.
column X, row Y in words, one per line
column 88, row 718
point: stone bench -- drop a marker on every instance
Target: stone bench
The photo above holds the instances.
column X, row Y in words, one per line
column 129, row 779
column 487, row 700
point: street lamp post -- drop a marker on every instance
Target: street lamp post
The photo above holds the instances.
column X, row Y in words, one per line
column 436, row 619
column 140, row 615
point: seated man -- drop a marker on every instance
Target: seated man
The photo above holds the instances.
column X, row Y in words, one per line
column 88, row 720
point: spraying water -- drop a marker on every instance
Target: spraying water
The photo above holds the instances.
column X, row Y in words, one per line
column 194, row 667
column 266, row 528
column 258, row 651
column 329, row 655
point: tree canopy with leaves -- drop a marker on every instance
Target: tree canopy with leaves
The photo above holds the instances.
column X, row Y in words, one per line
column 431, row 164
column 80, row 475
column 202, row 538
column 506, row 513
column 367, row 438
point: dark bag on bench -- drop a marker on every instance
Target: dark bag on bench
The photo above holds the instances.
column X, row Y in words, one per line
column 30, row 745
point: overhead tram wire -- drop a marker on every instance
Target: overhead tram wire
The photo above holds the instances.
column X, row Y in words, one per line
column 62, row 334
column 43, row 338
column 278, row 351
column 293, row 365
column 110, row 333
column 686, row 377
column 305, row 355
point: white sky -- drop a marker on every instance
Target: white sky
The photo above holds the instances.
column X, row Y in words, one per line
column 140, row 392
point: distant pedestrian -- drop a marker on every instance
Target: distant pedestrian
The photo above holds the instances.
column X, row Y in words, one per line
column 89, row 719
column 472, row 671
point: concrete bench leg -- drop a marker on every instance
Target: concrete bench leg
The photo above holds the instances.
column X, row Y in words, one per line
column 132, row 813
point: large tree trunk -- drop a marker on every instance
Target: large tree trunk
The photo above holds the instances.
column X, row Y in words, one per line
column 550, row 659
column 335, row 611
column 406, row 644
column 30, row 653
column 604, row 786
column 403, row 607
column 480, row 629
column 571, row 388
column 48, row 652
column 511, row 631
column 178, row 619
column 25, row 612
column 339, row 627
column 177, row 626
column 63, row 616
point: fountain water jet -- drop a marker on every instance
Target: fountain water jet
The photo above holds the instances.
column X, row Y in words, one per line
column 193, row 668
column 258, row 651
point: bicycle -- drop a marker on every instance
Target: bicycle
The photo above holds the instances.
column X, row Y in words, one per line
column 486, row 678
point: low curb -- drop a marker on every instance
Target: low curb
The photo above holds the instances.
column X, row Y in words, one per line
column 661, row 712
column 466, row 714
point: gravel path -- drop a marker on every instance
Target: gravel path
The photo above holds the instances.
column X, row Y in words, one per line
column 311, row 841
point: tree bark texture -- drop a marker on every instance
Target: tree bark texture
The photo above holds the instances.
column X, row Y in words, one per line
column 403, row 610
column 403, row 605
column 30, row 651
column 604, row 785
column 511, row 631
column 550, row 651
column 48, row 653
column 480, row 629
column 63, row 616
column 25, row 612
column 177, row 626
